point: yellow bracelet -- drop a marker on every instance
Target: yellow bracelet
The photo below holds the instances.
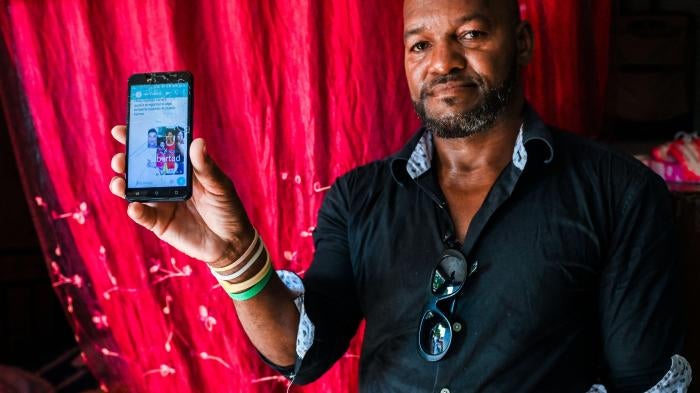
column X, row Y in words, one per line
column 242, row 286
column 238, row 261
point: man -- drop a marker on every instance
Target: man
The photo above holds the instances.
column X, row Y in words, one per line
column 144, row 158
column 490, row 254
column 152, row 138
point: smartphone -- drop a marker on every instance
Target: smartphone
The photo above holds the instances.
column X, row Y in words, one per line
column 158, row 137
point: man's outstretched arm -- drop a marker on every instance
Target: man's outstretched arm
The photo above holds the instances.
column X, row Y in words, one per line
column 213, row 227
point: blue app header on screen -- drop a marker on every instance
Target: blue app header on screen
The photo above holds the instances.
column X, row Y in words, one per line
column 165, row 90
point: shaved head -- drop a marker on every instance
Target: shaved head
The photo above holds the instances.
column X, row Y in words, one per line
column 513, row 7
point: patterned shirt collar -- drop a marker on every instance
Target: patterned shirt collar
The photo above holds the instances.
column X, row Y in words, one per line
column 416, row 157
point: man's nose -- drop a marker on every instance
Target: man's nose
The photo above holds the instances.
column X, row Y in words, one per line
column 447, row 57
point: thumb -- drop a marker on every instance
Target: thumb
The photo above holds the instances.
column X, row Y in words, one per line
column 209, row 175
column 146, row 216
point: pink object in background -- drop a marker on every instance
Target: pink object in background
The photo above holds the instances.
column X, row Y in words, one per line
column 678, row 161
column 669, row 171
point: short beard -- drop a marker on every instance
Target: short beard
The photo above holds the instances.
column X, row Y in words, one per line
column 475, row 121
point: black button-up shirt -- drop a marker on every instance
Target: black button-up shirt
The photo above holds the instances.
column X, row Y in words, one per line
column 576, row 282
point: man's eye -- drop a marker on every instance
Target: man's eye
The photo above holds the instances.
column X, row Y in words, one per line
column 472, row 35
column 420, row 46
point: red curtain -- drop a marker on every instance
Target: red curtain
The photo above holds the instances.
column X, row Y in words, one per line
column 289, row 95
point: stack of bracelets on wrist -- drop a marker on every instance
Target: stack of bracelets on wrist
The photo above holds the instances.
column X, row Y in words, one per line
column 251, row 287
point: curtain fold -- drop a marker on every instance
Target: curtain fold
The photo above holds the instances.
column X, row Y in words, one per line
column 288, row 95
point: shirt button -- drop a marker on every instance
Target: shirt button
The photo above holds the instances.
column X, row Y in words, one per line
column 457, row 327
column 444, row 390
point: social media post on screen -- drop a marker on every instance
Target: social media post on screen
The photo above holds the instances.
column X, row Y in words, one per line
column 158, row 136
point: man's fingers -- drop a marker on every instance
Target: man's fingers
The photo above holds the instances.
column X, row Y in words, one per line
column 205, row 169
column 144, row 215
column 119, row 133
column 118, row 186
column 118, row 162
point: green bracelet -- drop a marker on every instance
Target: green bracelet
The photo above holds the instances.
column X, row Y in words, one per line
column 254, row 290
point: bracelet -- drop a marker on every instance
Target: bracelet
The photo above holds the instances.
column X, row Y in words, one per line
column 239, row 272
column 254, row 290
column 240, row 259
column 247, row 284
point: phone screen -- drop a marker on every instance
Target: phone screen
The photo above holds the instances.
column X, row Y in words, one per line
column 158, row 136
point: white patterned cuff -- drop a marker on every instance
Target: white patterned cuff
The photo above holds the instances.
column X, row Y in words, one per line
column 676, row 380
column 305, row 334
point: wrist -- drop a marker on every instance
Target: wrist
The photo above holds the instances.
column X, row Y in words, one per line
column 235, row 249
column 242, row 239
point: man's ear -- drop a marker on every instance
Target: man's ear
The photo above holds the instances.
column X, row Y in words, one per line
column 525, row 42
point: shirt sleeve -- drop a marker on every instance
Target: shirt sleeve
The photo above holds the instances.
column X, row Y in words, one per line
column 329, row 302
column 639, row 294
column 306, row 328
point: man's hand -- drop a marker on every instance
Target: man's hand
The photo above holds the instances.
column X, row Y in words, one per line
column 201, row 227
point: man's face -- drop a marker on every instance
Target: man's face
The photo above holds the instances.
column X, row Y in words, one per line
column 460, row 61
column 152, row 139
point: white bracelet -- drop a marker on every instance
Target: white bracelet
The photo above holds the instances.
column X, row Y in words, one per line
column 242, row 270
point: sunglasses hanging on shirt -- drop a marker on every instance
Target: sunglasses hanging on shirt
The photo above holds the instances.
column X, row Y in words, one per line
column 436, row 329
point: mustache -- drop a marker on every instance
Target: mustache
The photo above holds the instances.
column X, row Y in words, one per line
column 427, row 89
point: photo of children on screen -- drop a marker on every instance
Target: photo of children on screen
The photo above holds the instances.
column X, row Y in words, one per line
column 163, row 155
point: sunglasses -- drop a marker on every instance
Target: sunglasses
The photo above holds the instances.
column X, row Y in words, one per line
column 436, row 330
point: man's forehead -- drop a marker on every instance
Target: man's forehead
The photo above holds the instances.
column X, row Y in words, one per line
column 417, row 8
column 433, row 5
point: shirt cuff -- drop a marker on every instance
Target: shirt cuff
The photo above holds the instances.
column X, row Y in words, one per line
column 305, row 332
column 677, row 379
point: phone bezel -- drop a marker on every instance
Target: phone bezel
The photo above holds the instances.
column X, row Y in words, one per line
column 161, row 193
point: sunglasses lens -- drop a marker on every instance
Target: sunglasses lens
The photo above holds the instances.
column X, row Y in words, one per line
column 435, row 334
column 450, row 274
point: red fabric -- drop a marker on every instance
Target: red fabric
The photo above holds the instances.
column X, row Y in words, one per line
column 567, row 78
column 289, row 95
